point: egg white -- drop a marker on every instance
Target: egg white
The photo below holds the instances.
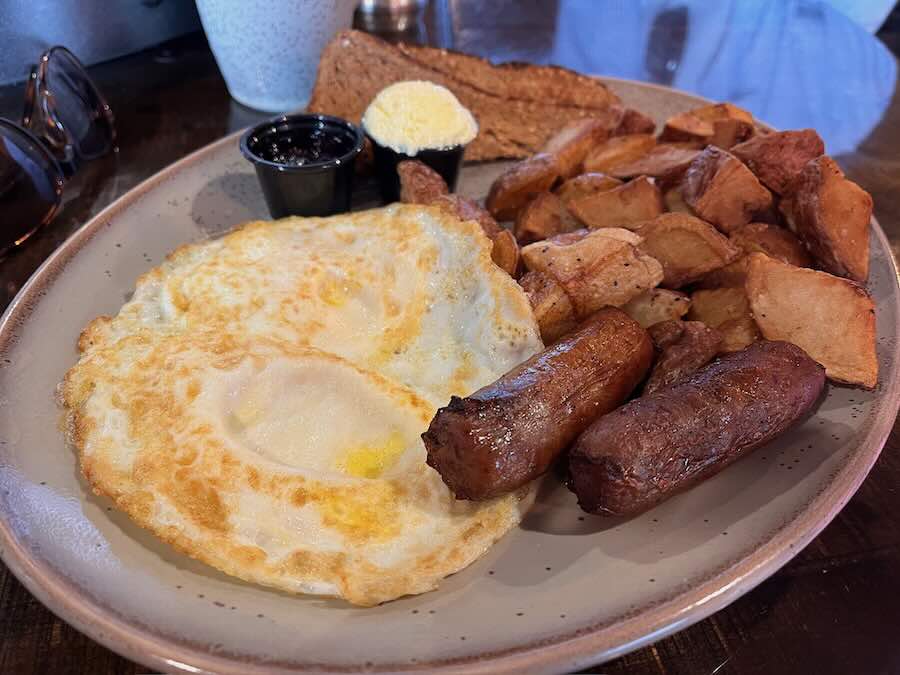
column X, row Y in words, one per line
column 259, row 402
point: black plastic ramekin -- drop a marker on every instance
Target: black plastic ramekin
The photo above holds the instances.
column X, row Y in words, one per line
column 446, row 161
column 304, row 163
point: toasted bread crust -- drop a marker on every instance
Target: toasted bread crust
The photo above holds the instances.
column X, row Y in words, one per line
column 518, row 106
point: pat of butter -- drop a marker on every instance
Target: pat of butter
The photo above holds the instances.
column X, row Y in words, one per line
column 413, row 116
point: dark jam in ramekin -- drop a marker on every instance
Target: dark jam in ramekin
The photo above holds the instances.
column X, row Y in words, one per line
column 305, row 163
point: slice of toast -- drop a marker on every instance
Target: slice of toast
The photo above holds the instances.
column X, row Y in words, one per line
column 518, row 106
column 523, row 81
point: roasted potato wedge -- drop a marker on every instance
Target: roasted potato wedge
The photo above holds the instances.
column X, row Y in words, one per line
column 634, row 122
column 696, row 345
column 666, row 162
column 700, row 124
column 686, row 247
column 777, row 158
column 595, row 268
column 674, row 201
column 771, row 215
column 634, row 202
column 573, row 143
column 520, row 183
column 552, row 308
column 830, row 318
column 657, row 305
column 721, row 190
column 419, row 183
column 505, row 252
column 467, row 209
column 732, row 275
column 616, row 151
column 586, row 184
column 774, row 241
column 727, row 310
column 730, row 132
column 831, row 216
column 545, row 216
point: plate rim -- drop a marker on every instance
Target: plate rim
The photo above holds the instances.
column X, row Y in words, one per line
column 574, row 649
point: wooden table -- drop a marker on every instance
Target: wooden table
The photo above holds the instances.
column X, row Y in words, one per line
column 836, row 607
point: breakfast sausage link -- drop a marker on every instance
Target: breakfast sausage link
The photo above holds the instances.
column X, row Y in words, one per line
column 509, row 432
column 657, row 445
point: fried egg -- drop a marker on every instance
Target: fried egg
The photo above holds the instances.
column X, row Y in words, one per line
column 259, row 401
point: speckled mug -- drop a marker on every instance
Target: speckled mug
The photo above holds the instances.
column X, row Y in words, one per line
column 268, row 50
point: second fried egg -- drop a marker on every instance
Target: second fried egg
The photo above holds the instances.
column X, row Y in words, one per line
column 258, row 403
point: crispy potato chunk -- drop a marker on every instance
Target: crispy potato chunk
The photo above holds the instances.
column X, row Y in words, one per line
column 687, row 247
column 595, row 268
column 774, row 241
column 831, row 216
column 634, row 122
column 419, row 183
column 721, row 190
column 730, row 132
column 505, row 252
column 552, row 308
column 634, row 202
column 770, row 215
column 830, row 318
column 730, row 276
column 519, row 184
column 666, row 162
column 674, row 201
column 573, row 142
column 728, row 310
column 700, row 124
column 696, row 345
column 777, row 158
column 721, row 111
column 467, row 209
column 657, row 305
column 545, row 216
column 618, row 150
column 586, row 184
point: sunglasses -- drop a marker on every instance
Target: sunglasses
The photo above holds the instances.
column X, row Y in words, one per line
column 66, row 122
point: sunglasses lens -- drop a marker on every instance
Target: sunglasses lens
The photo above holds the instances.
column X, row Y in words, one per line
column 30, row 185
column 78, row 106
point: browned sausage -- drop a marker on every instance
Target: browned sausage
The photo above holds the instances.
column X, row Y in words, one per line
column 509, row 432
column 654, row 446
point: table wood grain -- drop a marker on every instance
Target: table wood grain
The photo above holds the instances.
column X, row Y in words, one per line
column 835, row 608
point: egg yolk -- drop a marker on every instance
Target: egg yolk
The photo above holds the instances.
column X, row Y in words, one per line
column 336, row 292
column 371, row 461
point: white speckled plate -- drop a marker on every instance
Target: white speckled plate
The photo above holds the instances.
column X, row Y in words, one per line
column 564, row 591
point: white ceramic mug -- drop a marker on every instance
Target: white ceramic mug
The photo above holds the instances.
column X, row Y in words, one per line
column 268, row 50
